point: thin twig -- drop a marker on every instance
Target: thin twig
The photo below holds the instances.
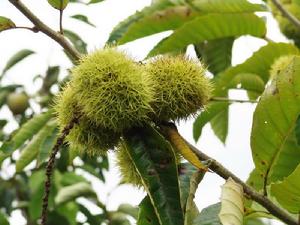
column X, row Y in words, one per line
column 40, row 26
column 287, row 14
column 219, row 169
column 223, row 99
column 50, row 165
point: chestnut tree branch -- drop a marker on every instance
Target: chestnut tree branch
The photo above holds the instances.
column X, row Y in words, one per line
column 287, row 14
column 219, row 169
column 40, row 26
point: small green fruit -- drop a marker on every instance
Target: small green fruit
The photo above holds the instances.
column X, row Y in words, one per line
column 129, row 174
column 279, row 65
column 181, row 88
column 112, row 89
column 86, row 135
column 17, row 103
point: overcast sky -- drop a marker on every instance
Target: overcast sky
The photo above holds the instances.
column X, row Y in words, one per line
column 235, row 155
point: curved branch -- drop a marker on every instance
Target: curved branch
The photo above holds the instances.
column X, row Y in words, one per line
column 287, row 14
column 40, row 26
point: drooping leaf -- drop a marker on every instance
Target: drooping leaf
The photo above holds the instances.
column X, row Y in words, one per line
column 219, row 124
column 33, row 148
column 232, row 207
column 122, row 27
column 58, row 4
column 155, row 161
column 258, row 64
column 209, row 215
column 273, row 144
column 287, row 192
column 26, row 132
column 147, row 215
column 82, row 18
column 191, row 210
column 6, row 23
column 163, row 20
column 212, row 111
column 228, row 6
column 16, row 58
column 69, row 193
column 216, row 54
column 211, row 27
column 79, row 44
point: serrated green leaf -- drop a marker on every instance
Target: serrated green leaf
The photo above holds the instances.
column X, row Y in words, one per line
column 258, row 64
column 69, row 193
column 79, row 44
column 32, row 149
column 209, row 215
column 26, row 132
column 147, row 215
column 122, row 27
column 155, row 161
column 232, row 207
column 213, row 110
column 216, row 54
column 273, row 144
column 6, row 23
column 228, row 6
column 82, row 18
column 211, row 27
column 58, row 4
column 287, row 192
column 16, row 58
column 163, row 20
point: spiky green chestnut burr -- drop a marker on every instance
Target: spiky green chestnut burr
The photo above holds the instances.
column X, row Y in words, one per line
column 85, row 135
column 287, row 28
column 128, row 172
column 279, row 65
column 112, row 89
column 181, row 88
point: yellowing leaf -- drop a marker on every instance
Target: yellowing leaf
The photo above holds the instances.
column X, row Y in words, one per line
column 232, row 206
column 6, row 23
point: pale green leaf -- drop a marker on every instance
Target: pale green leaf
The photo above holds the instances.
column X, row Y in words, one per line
column 16, row 58
column 82, row 18
column 274, row 149
column 287, row 192
column 3, row 219
column 58, row 4
column 232, row 206
column 69, row 193
column 6, row 23
column 210, row 27
column 32, row 149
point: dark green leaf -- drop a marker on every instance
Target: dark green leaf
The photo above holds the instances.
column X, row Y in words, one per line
column 17, row 57
column 156, row 163
column 209, row 216
column 219, row 124
column 216, row 54
column 211, row 27
column 58, row 4
column 273, row 143
column 79, row 44
column 6, row 23
column 82, row 18
column 147, row 215
column 212, row 111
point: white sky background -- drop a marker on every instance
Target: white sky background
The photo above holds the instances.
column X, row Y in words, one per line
column 236, row 155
